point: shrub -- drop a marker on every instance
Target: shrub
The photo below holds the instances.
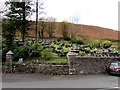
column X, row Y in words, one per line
column 27, row 51
column 67, row 38
column 106, row 44
column 5, row 49
column 95, row 43
column 35, row 50
column 76, row 41
column 46, row 55
column 21, row 52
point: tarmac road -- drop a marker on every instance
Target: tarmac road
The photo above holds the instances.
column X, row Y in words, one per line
column 66, row 81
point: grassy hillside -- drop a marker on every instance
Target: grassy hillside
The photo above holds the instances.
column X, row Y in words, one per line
column 84, row 32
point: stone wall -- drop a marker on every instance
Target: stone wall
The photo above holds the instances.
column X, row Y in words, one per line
column 47, row 69
column 77, row 65
column 90, row 65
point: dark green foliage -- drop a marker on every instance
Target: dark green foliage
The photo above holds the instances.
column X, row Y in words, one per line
column 27, row 51
column 46, row 55
column 21, row 52
column 77, row 41
column 66, row 38
column 4, row 51
column 16, row 15
column 8, row 31
column 6, row 48
column 35, row 50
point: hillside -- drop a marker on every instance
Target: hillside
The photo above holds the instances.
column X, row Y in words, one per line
column 87, row 32
column 95, row 32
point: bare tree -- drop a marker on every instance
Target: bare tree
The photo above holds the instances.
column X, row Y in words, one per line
column 73, row 30
column 64, row 28
column 42, row 27
column 38, row 7
column 51, row 26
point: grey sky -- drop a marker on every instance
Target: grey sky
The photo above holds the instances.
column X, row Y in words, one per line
column 103, row 13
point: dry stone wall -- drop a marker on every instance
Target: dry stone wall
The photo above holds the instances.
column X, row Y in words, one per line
column 76, row 65
column 91, row 65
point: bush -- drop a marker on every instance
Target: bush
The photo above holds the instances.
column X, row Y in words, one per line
column 106, row 44
column 46, row 55
column 35, row 50
column 95, row 43
column 5, row 49
column 21, row 52
column 67, row 38
column 76, row 41
column 27, row 51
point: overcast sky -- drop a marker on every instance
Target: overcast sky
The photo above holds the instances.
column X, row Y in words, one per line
column 103, row 13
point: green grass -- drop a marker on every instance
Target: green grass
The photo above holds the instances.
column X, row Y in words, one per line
column 55, row 59
column 58, row 60
column 55, row 55
column 27, row 60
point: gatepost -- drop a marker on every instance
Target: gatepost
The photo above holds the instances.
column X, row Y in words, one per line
column 9, row 57
column 70, row 57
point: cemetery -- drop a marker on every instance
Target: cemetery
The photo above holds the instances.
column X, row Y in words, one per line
column 45, row 46
column 59, row 57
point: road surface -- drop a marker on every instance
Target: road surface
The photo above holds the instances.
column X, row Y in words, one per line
column 65, row 81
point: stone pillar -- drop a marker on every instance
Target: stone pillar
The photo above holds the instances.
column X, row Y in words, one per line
column 9, row 61
column 71, row 56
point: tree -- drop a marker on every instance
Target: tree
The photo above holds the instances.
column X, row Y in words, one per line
column 8, row 32
column 19, row 11
column 38, row 6
column 36, row 24
column 64, row 28
column 51, row 26
column 73, row 26
column 42, row 27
